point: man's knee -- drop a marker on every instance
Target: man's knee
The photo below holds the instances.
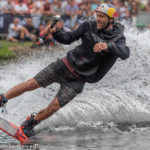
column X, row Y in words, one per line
column 65, row 95
column 32, row 84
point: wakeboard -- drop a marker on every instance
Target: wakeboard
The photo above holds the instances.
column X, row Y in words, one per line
column 12, row 130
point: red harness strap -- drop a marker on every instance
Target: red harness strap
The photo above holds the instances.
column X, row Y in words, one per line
column 71, row 69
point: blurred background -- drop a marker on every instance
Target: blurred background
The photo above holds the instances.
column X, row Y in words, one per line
column 30, row 17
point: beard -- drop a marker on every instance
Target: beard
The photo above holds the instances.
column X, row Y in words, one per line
column 102, row 26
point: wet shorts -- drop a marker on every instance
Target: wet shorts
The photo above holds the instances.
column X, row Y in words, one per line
column 57, row 72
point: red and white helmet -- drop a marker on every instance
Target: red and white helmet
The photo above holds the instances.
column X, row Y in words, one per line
column 107, row 9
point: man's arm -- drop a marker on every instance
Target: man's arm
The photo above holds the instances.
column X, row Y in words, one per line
column 71, row 36
column 16, row 28
column 119, row 48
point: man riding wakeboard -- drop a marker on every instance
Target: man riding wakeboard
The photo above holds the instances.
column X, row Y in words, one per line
column 103, row 42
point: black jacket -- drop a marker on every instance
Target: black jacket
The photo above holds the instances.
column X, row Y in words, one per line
column 89, row 65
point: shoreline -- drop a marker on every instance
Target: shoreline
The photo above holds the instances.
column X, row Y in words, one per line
column 9, row 50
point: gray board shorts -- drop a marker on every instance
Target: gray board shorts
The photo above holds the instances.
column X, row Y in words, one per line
column 57, row 72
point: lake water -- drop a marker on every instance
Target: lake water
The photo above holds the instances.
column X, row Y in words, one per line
column 113, row 114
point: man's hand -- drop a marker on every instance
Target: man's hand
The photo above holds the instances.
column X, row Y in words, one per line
column 50, row 31
column 99, row 47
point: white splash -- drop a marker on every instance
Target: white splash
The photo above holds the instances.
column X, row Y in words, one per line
column 123, row 94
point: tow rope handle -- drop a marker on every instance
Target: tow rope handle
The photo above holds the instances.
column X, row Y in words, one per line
column 41, row 40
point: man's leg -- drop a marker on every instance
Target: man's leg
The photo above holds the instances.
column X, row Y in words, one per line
column 26, row 128
column 21, row 88
column 22, row 33
column 13, row 39
column 48, row 111
column 65, row 95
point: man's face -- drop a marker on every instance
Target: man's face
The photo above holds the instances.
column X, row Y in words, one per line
column 20, row 2
column 47, row 1
column 72, row 3
column 102, row 20
column 16, row 21
column 29, row 21
column 9, row 1
column 60, row 25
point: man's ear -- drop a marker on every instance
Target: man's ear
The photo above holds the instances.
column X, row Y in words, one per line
column 112, row 21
